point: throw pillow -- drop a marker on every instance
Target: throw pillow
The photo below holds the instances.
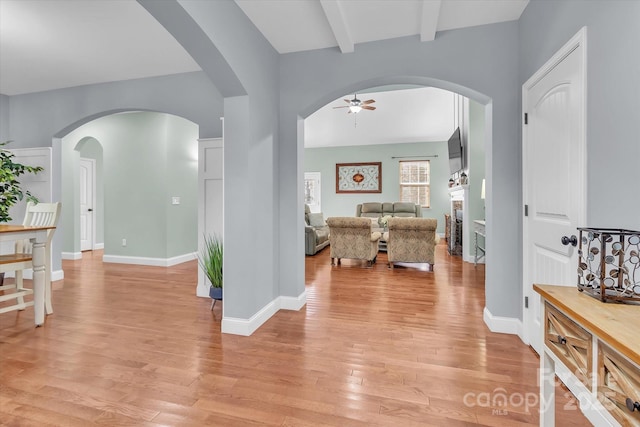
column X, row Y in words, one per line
column 316, row 220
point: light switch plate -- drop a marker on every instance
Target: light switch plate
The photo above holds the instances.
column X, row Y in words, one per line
column 175, row 200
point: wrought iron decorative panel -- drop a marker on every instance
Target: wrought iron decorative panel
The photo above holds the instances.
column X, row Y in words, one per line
column 359, row 177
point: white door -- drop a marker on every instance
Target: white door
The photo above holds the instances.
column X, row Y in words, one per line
column 87, row 204
column 554, row 176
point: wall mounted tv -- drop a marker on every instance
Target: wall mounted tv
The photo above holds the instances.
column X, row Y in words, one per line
column 455, row 152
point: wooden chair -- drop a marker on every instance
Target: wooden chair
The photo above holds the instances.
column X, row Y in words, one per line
column 41, row 214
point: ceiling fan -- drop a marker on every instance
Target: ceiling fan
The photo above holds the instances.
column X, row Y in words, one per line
column 355, row 105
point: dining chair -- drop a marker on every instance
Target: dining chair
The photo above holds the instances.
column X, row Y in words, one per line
column 40, row 214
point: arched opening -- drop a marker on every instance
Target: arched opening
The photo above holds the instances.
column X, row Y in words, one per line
column 482, row 108
column 146, row 194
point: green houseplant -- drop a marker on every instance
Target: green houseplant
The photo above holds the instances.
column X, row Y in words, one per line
column 10, row 190
column 210, row 260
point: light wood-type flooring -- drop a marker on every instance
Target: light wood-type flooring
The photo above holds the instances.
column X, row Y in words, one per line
column 132, row 346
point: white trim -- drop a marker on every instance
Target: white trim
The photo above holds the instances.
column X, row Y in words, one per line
column 502, row 325
column 578, row 40
column 156, row 262
column 293, row 303
column 72, row 255
column 246, row 327
column 98, row 246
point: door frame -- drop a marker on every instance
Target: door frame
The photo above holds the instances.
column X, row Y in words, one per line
column 93, row 202
column 578, row 40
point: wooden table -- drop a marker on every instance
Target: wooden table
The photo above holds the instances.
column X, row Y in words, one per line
column 38, row 237
column 598, row 345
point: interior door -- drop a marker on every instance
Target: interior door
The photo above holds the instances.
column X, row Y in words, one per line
column 554, row 177
column 87, row 214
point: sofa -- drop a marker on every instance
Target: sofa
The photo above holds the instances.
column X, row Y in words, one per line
column 353, row 238
column 411, row 240
column 316, row 232
column 394, row 209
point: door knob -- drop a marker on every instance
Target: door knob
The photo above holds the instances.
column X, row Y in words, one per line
column 566, row 240
column 89, row 210
column 631, row 405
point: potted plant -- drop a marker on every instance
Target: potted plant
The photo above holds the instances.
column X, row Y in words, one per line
column 210, row 260
column 10, row 190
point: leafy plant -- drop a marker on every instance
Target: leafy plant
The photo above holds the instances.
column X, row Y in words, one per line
column 210, row 260
column 10, row 190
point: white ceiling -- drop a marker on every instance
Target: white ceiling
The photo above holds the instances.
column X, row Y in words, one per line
column 292, row 26
column 53, row 44
column 408, row 115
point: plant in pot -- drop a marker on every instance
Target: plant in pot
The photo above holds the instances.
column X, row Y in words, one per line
column 210, row 260
column 10, row 189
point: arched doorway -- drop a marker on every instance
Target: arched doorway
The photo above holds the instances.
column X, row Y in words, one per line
column 148, row 159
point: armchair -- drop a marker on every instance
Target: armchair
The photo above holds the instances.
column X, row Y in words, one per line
column 352, row 238
column 411, row 240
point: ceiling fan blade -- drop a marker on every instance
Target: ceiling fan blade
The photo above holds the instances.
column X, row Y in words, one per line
column 342, row 106
column 368, row 107
column 348, row 101
column 369, row 101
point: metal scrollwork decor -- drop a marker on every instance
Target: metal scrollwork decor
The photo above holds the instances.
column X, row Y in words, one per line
column 609, row 264
column 359, row 177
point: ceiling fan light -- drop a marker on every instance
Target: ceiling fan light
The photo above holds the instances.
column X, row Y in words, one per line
column 355, row 108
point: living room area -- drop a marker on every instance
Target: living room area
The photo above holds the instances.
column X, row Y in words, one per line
column 405, row 146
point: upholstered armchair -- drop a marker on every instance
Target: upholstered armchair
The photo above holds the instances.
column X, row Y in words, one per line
column 352, row 238
column 411, row 240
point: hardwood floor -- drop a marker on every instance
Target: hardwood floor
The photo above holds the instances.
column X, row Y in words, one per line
column 131, row 345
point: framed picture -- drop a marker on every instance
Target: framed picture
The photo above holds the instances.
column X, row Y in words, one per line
column 359, row 177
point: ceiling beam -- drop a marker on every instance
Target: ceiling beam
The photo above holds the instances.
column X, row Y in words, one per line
column 430, row 16
column 335, row 16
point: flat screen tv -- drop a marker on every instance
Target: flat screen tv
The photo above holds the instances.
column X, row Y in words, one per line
column 455, row 152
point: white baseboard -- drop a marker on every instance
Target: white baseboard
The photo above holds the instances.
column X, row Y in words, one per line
column 98, row 246
column 503, row 325
column 28, row 274
column 156, row 262
column 293, row 303
column 72, row 255
column 246, row 327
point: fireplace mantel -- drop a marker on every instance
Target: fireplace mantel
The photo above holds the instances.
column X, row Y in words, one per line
column 459, row 195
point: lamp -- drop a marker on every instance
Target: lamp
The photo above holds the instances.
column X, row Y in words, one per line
column 482, row 193
column 355, row 108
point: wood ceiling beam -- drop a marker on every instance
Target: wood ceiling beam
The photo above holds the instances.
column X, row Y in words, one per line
column 430, row 17
column 335, row 16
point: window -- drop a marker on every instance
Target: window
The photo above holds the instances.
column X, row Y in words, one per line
column 414, row 182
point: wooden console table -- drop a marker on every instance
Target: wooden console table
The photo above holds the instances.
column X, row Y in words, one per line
column 598, row 344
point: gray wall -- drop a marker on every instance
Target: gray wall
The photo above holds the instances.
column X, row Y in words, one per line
column 263, row 133
column 250, row 152
column 475, row 172
column 41, row 119
column 4, row 118
column 613, row 95
column 324, row 160
column 480, row 63
column 147, row 159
